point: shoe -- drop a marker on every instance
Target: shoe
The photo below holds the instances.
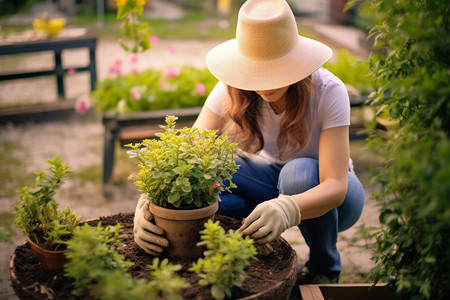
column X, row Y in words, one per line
column 305, row 276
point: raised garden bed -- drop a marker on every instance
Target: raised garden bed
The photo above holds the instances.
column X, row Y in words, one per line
column 271, row 277
column 355, row 291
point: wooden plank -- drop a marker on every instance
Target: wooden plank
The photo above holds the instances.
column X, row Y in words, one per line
column 138, row 132
column 310, row 292
column 357, row 291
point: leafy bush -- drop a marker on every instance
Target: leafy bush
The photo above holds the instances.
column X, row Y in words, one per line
column 352, row 71
column 100, row 270
column 93, row 256
column 184, row 167
column 153, row 90
column 225, row 259
column 411, row 62
column 37, row 212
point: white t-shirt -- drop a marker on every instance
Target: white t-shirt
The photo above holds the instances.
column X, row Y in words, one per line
column 329, row 107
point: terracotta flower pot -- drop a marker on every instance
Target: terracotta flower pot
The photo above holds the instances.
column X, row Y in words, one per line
column 182, row 228
column 51, row 260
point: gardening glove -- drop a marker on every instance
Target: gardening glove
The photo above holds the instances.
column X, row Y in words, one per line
column 147, row 235
column 270, row 218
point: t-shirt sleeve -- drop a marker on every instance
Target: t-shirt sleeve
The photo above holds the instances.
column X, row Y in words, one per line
column 217, row 98
column 334, row 105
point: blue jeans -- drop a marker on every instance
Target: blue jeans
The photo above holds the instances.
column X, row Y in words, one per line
column 258, row 181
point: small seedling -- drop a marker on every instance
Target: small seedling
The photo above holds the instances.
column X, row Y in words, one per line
column 225, row 259
column 98, row 269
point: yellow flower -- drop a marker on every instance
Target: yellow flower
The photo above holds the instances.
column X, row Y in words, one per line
column 141, row 2
column 121, row 2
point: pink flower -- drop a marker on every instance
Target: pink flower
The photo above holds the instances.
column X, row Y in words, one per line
column 154, row 39
column 134, row 58
column 171, row 49
column 172, row 72
column 115, row 67
column 135, row 94
column 200, row 88
column 82, row 105
column 71, row 71
column 135, row 70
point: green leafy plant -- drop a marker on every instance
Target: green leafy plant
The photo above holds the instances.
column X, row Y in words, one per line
column 184, row 167
column 225, row 259
column 132, row 28
column 98, row 269
column 410, row 61
column 153, row 90
column 37, row 212
column 352, row 71
column 93, row 256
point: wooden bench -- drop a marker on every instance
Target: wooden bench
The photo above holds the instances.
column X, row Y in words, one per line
column 67, row 39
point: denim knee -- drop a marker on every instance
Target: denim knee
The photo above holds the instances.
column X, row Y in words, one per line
column 298, row 176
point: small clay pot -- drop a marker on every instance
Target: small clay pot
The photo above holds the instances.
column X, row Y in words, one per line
column 51, row 260
column 183, row 228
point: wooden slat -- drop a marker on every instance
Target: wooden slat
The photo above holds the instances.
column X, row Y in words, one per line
column 310, row 292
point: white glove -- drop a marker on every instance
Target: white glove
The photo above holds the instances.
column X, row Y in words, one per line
column 270, row 218
column 147, row 235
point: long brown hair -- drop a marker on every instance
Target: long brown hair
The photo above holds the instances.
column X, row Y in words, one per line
column 243, row 113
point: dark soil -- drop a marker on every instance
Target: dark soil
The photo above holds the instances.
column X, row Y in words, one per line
column 30, row 281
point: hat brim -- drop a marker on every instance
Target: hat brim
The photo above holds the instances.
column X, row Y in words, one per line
column 228, row 65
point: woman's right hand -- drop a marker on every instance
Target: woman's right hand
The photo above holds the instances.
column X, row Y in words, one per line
column 147, row 235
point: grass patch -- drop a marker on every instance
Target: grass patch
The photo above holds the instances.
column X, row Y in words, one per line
column 10, row 177
column 6, row 221
column 90, row 173
column 191, row 26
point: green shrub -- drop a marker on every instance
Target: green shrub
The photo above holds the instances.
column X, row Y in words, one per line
column 352, row 71
column 98, row 269
column 153, row 90
column 225, row 259
column 37, row 212
column 93, row 257
column 184, row 167
column 411, row 62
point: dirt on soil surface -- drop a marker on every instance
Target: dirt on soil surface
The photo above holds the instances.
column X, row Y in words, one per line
column 33, row 282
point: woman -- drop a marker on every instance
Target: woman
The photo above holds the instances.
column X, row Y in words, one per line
column 290, row 118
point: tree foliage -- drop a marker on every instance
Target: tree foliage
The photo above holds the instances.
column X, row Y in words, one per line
column 410, row 63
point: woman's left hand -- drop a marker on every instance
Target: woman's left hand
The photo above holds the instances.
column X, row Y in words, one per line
column 270, row 218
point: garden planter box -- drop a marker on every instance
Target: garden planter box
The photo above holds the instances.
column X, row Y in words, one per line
column 272, row 277
column 354, row 291
column 130, row 128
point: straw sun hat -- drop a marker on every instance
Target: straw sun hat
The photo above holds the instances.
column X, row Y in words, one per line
column 267, row 53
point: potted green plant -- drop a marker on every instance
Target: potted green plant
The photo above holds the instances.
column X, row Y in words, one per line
column 37, row 213
column 182, row 173
column 133, row 104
